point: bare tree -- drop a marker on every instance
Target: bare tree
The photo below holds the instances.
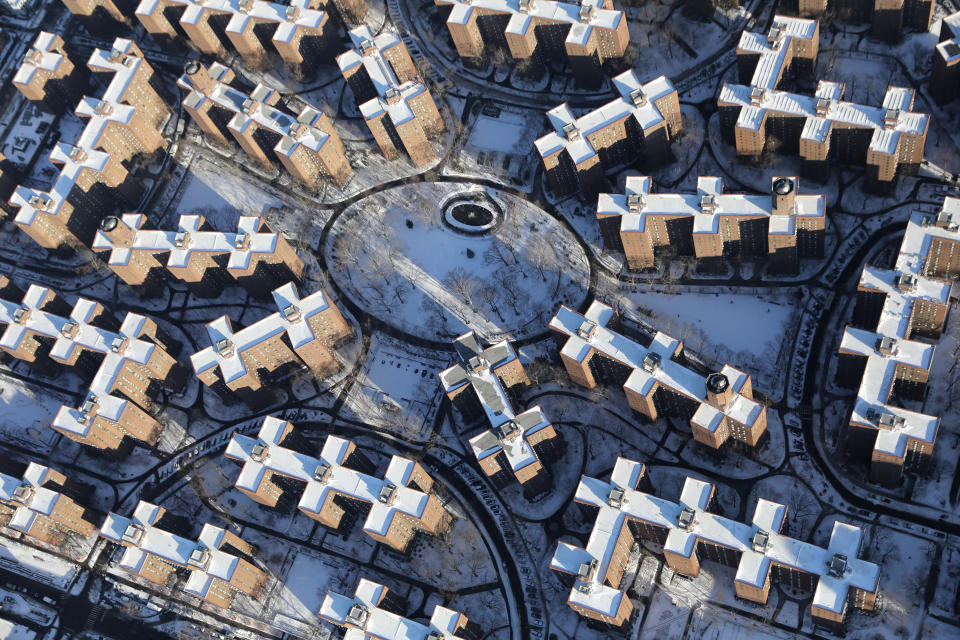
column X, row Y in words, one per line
column 463, row 285
column 542, row 256
column 489, row 295
column 508, row 282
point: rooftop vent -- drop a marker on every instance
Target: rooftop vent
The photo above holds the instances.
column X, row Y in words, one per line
column 837, row 565
column 946, row 220
column 905, row 282
column 634, row 202
column 20, row 315
column 388, row 492
column 886, row 346
column 224, row 347
column 890, row 118
column 34, row 56
column 292, row 13
column 118, row 344
column 77, row 154
column 132, row 533
column 782, row 186
column 116, row 55
column 686, row 519
column 180, row 240
column 586, row 329
column 260, row 452
column 775, row 34
column 756, row 95
column 89, row 405
column 103, row 108
column 192, row 67
column 69, row 329
column 241, row 241
column 587, row 11
column 199, row 557
column 476, row 363
column 244, row 6
column 651, row 362
column 526, row 6
column 357, row 616
column 888, row 420
column 570, row 131
column 322, row 472
column 588, row 570
column 435, row 635
column 39, row 202
column 23, row 493
column 717, row 383
column 708, row 203
column 637, row 97
column 249, row 106
column 367, row 46
column 109, row 223
column 616, row 496
column 507, row 430
column 291, row 313
column 760, row 540
column 392, row 95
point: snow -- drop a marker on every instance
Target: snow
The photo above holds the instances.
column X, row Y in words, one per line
column 36, row 564
column 222, row 196
column 498, row 134
column 11, row 631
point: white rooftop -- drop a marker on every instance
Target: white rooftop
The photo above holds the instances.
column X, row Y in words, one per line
column 27, row 496
column 40, row 57
column 774, row 46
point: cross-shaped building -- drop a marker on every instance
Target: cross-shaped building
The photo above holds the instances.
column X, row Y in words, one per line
column 37, row 506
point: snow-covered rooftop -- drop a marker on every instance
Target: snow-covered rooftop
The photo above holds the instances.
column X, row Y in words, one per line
column 72, row 335
column 40, row 57
column 326, row 476
column 203, row 557
column 686, row 522
column 509, row 432
column 651, row 365
column 27, row 496
column 949, row 46
column 775, row 46
column 572, row 133
column 824, row 109
column 292, row 317
column 393, row 97
column 707, row 206
column 363, row 612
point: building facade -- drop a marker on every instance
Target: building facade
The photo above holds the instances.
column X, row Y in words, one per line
column 788, row 49
column 710, row 224
column 889, row 352
column 48, row 77
column 515, row 445
column 636, row 126
column 658, row 378
column 245, row 361
column 336, row 488
column 219, row 565
column 889, row 19
column 36, row 506
column 254, row 256
column 129, row 362
column 394, row 101
column 588, row 35
column 690, row 532
column 945, row 77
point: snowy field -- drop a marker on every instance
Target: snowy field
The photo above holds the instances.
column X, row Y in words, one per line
column 221, row 196
column 36, row 564
column 11, row 631
column 392, row 255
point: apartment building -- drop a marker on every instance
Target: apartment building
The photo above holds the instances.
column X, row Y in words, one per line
column 587, row 35
column 122, row 128
column 9, row 177
column 36, row 506
column 945, row 77
column 394, row 101
column 789, row 48
column 782, row 227
column 636, row 126
column 885, row 356
column 484, row 383
column 48, row 77
column 219, row 565
column 128, row 363
column 307, row 145
column 339, row 486
column 101, row 18
column 690, row 533
column 375, row 612
column 889, row 19
column 245, row 361
column 254, row 256
column 658, row 379
column 823, row 128
column 300, row 32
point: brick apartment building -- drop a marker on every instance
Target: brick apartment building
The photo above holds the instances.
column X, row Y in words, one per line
column 823, row 127
column 245, row 361
column 48, row 77
column 887, row 355
column 339, row 486
column 376, row 612
column 788, row 49
column 307, row 145
column 636, row 126
column 101, row 18
column 889, row 19
column 658, row 378
column 710, row 224
column 394, row 101
column 128, row 363
column 254, row 256
column 299, row 32
column 219, row 565
column 690, row 532
column 484, row 383
column 122, row 128
column 37, row 507
column 588, row 34
column 945, row 78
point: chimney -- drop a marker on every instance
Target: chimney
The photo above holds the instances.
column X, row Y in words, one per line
column 784, row 193
column 119, row 232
